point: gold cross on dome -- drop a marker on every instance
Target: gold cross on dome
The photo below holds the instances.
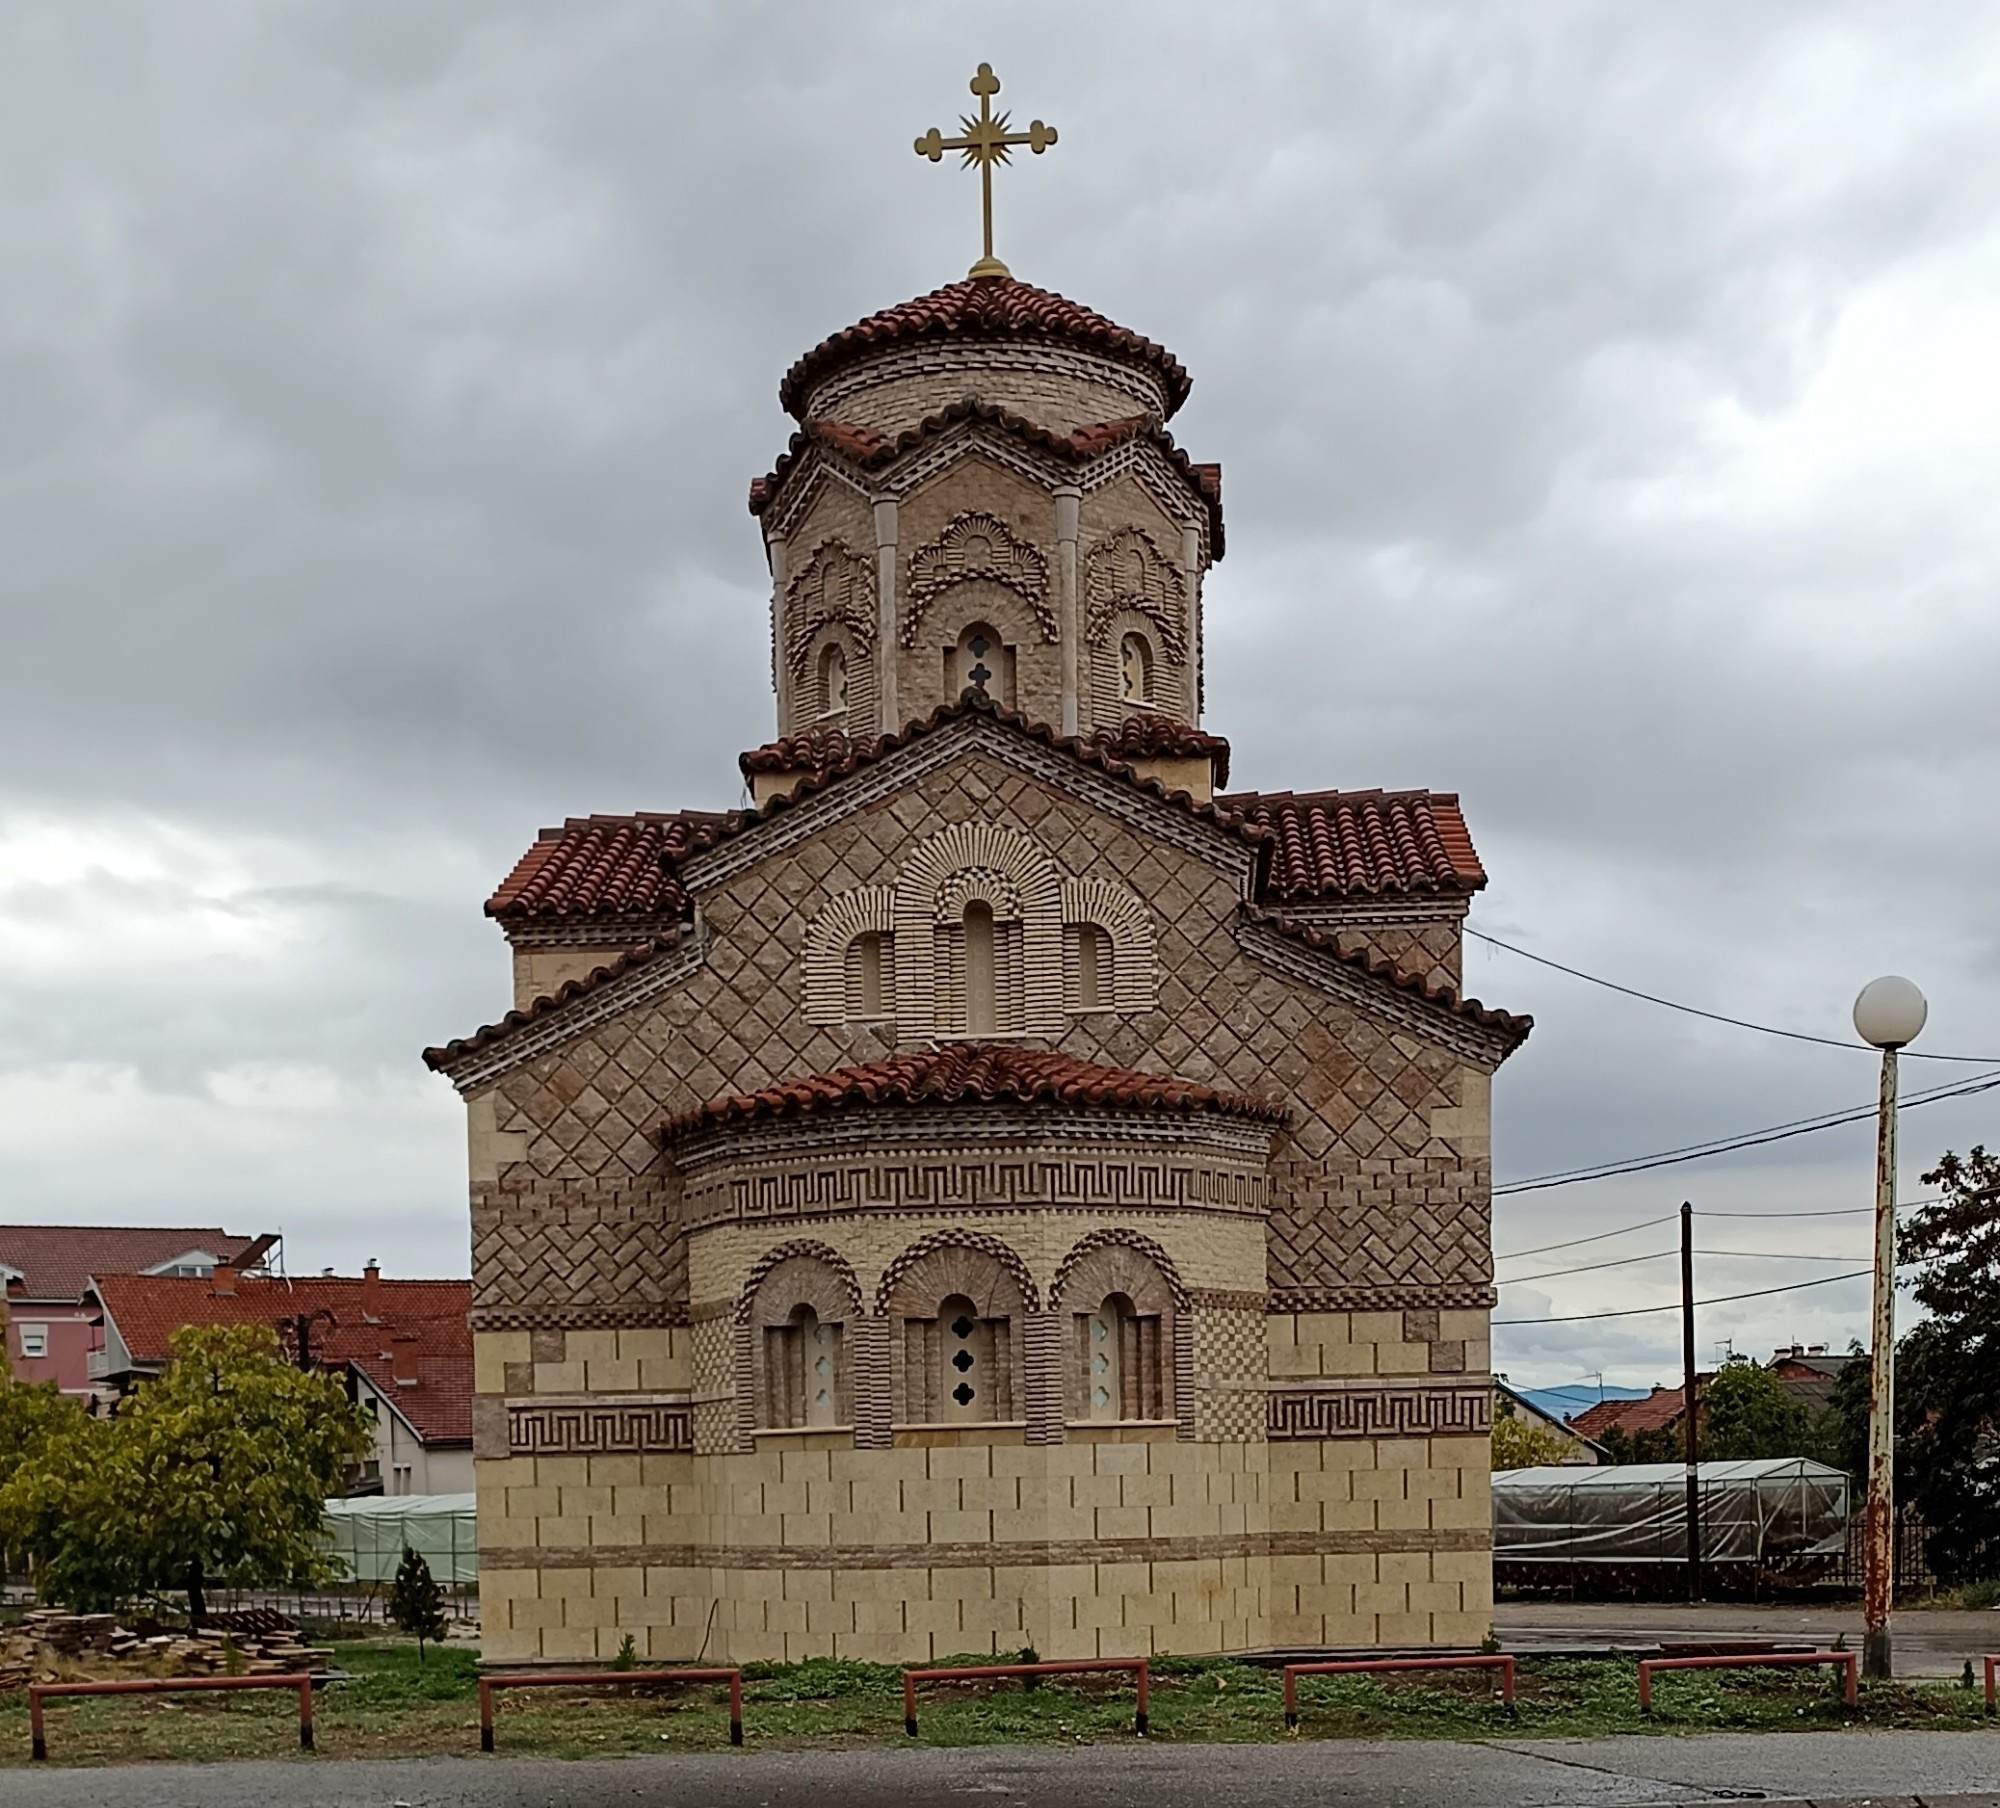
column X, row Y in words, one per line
column 986, row 141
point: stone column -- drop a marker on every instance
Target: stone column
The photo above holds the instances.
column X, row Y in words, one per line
column 1191, row 570
column 885, row 633
column 1068, row 504
column 779, row 550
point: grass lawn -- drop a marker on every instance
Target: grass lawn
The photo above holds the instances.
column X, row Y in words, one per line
column 395, row 1706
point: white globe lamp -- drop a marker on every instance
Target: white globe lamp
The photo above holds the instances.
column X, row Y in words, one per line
column 1890, row 1012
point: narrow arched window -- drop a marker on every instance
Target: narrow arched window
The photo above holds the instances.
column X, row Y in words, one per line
column 1104, row 1353
column 1091, row 957
column 1120, row 1359
column 833, row 681
column 870, row 980
column 1135, row 669
column 802, row 1363
column 968, row 1382
column 982, row 1017
column 981, row 661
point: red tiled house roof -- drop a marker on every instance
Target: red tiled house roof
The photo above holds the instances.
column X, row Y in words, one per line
column 974, row 1073
column 438, row 1403
column 983, row 309
column 1659, row 1409
column 1371, row 843
column 56, row 1261
column 361, row 1318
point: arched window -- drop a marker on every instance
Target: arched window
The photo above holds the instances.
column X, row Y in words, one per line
column 1135, row 670
column 981, row 661
column 870, row 976
column 967, row 1385
column 982, row 1010
column 802, row 1359
column 833, row 680
column 1123, row 1323
column 956, row 1309
column 1092, row 976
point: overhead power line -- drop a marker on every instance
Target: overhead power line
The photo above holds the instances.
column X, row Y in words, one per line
column 1740, row 1023
column 1836, row 1211
column 1752, row 1139
column 1721, row 1299
column 1740, row 1255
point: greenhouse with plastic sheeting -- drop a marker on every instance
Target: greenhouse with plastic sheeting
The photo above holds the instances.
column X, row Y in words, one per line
column 370, row 1534
column 1774, row 1516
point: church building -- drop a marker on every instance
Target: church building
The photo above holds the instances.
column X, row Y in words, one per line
column 1001, row 1187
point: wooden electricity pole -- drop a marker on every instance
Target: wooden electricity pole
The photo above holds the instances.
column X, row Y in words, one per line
column 1690, row 1406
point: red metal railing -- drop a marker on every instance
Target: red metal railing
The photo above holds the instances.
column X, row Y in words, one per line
column 1358, row 1665
column 558, row 1679
column 1086, row 1666
column 167, row 1685
column 1992, row 1664
column 1743, row 1661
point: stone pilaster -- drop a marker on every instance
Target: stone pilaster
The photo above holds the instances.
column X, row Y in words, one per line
column 886, row 529
column 1069, row 501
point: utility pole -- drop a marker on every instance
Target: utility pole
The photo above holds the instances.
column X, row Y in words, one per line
column 1690, row 1406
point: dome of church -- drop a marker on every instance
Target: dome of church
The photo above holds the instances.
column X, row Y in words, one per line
column 1029, row 350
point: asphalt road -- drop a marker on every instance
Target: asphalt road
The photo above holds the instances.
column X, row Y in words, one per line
column 1928, row 1642
column 1934, row 1768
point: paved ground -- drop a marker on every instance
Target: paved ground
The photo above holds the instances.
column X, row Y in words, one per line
column 1933, row 1768
column 1927, row 1643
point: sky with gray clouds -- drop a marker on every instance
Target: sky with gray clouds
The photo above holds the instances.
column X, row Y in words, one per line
column 1609, row 400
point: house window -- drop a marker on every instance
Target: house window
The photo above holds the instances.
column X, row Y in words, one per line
column 870, row 975
column 34, row 1341
column 401, row 1483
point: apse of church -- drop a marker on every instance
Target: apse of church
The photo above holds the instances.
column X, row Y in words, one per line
column 1001, row 1187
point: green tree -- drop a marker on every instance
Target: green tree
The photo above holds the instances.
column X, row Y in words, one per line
column 48, row 1448
column 1659, row 1444
column 1746, row 1413
column 1518, row 1444
column 416, row 1603
column 216, row 1474
column 1948, row 1370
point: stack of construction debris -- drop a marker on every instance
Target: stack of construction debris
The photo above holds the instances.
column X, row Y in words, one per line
column 270, row 1647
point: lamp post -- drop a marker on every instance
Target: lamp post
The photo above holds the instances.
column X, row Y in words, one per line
column 1890, row 1015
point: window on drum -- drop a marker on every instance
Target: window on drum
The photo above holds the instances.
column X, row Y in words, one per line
column 833, row 681
column 983, row 662
column 1135, row 669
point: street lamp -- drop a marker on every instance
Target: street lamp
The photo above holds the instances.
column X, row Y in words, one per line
column 1889, row 1014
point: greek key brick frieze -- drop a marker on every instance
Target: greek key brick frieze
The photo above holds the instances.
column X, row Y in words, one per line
column 1378, row 1412
column 1448, row 1296
column 578, row 1318
column 624, row 1428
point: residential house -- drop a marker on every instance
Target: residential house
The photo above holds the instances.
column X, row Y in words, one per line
column 402, row 1347
column 1808, row 1372
column 46, row 1270
column 1524, row 1407
column 1660, row 1410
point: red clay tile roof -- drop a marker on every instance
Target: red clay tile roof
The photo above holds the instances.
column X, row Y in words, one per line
column 1659, row 1409
column 1356, row 953
column 815, row 750
column 57, row 1260
column 869, row 449
column 1155, row 737
column 984, row 308
column 978, row 1073
column 596, row 866
column 1329, row 843
column 439, row 1405
column 362, row 1316
column 437, row 1059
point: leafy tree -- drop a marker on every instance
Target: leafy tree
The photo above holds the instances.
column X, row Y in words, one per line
column 1517, row 1444
column 1746, row 1413
column 1948, row 1369
column 48, row 1447
column 215, row 1474
column 1659, row 1444
column 416, row 1603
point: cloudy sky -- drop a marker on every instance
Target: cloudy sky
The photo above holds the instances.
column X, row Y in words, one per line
column 1610, row 404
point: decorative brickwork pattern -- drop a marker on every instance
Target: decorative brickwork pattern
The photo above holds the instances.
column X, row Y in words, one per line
column 624, row 1428
column 1019, row 880
column 1228, row 1379
column 975, row 545
column 1115, row 909
column 868, row 909
column 1379, row 1412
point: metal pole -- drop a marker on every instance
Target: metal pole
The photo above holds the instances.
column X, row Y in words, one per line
column 1690, row 1406
column 1878, row 1585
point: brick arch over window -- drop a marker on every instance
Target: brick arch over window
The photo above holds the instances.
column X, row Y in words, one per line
column 801, row 1274
column 1153, row 1368
column 1122, row 915
column 870, row 910
column 933, row 889
column 958, row 1304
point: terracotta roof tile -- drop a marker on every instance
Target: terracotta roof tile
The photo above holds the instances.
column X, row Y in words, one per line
column 983, row 308
column 1356, row 953
column 595, row 865
column 439, row 1404
column 1659, row 1409
column 818, row 750
column 979, row 1073
column 361, row 1316
column 1333, row 843
column 56, row 1261
column 870, row 450
column 1156, row 737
